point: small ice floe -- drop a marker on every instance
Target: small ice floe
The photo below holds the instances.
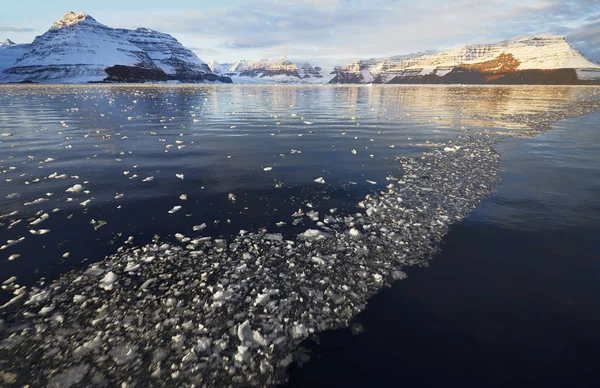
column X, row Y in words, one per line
column 180, row 176
column 36, row 202
column 308, row 122
column 10, row 243
column 13, row 256
column 42, row 218
column 267, row 168
column 12, row 195
column 149, row 179
column 313, row 215
column 222, row 295
column 131, row 266
column 320, row 180
column 14, row 213
column 354, row 232
column 353, row 151
column 198, row 228
column 86, row 202
column 66, row 255
column 231, row 197
column 451, row 149
column 119, row 196
column 98, row 224
column 10, row 280
column 371, row 182
column 175, row 209
column 313, row 234
column 74, row 189
column 6, row 134
column 46, row 310
column 39, row 231
column 108, row 281
column 183, row 197
column 56, row 176
column 249, row 336
column 125, row 172
column 280, row 224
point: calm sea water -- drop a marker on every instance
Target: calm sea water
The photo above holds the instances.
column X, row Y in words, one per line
column 513, row 298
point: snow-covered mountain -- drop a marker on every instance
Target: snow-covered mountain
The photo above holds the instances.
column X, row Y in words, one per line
column 543, row 59
column 10, row 52
column 275, row 71
column 78, row 48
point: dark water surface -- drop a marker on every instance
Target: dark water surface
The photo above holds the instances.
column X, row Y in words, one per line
column 511, row 300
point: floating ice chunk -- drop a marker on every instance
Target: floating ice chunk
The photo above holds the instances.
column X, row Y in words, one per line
column 353, row 151
column 317, row 260
column 37, row 201
column 274, row 236
column 10, row 280
column 313, row 215
column 200, row 227
column 149, row 179
column 299, row 331
column 308, row 122
column 42, row 218
column 39, row 231
column 108, row 281
column 313, row 234
column 66, row 255
column 183, row 197
column 267, row 168
column 231, row 197
column 74, row 189
column 6, row 134
column 131, row 266
column 354, row 232
column 320, row 180
column 12, row 195
column 46, row 310
column 371, row 182
column 38, row 297
column 249, row 336
column 14, row 213
column 222, row 294
column 180, row 176
column 451, row 149
column 86, row 202
column 175, row 209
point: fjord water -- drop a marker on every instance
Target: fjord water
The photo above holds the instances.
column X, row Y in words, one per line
column 517, row 277
column 512, row 299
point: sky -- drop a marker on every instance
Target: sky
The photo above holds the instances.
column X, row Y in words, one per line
column 323, row 32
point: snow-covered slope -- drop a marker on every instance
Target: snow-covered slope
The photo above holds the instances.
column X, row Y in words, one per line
column 78, row 48
column 275, row 71
column 10, row 52
column 526, row 59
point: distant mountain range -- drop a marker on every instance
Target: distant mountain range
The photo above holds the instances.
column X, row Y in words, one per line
column 78, row 49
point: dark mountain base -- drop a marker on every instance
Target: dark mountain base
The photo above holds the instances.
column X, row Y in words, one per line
column 134, row 74
column 524, row 77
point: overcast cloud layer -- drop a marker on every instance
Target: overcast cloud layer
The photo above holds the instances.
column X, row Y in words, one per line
column 334, row 31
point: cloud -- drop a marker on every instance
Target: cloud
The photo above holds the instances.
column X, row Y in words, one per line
column 16, row 29
column 587, row 40
column 330, row 29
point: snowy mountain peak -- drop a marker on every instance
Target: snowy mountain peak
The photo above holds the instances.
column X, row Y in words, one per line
column 72, row 18
column 8, row 42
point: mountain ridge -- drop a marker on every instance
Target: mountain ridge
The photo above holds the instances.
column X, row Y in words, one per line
column 78, row 48
column 543, row 59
